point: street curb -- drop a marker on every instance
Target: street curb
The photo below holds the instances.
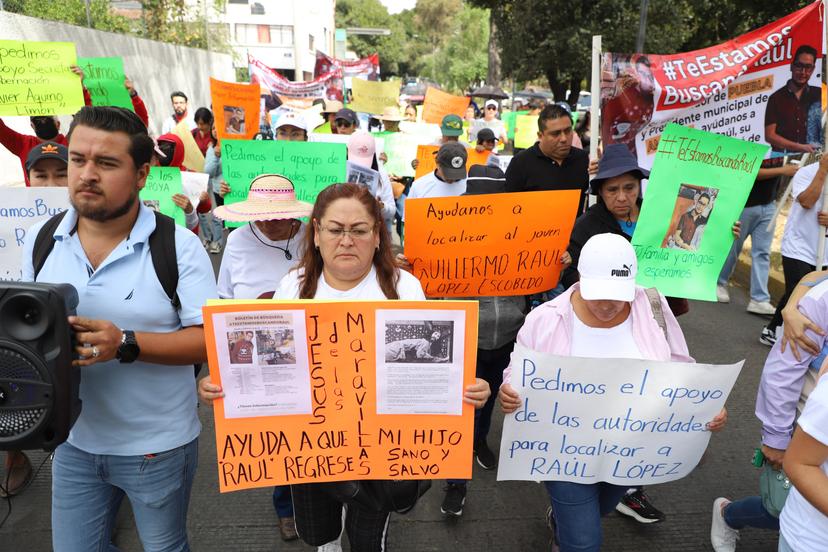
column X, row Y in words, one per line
column 741, row 278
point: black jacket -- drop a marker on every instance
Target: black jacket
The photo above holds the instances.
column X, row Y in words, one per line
column 597, row 220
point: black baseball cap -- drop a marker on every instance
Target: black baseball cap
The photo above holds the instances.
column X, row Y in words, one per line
column 346, row 115
column 451, row 157
column 485, row 135
column 46, row 150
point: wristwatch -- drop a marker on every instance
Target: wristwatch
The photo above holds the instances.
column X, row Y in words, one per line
column 129, row 350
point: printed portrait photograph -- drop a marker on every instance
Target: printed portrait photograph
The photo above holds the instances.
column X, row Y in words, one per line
column 694, row 204
column 233, row 119
column 153, row 204
column 419, row 341
column 275, row 346
column 240, row 346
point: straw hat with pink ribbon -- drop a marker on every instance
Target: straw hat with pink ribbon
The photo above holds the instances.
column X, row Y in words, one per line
column 271, row 197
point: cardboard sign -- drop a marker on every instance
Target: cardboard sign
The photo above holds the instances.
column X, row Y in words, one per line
column 526, row 131
column 36, row 79
column 333, row 391
column 427, row 157
column 374, row 96
column 193, row 159
column 438, row 104
column 20, row 209
column 162, row 184
column 236, row 109
column 311, row 167
column 624, row 421
column 698, row 186
column 489, row 244
column 401, row 149
column 104, row 78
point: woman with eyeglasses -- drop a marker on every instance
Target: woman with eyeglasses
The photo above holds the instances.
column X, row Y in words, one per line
column 346, row 256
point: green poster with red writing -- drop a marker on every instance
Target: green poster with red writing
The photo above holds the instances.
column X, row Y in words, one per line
column 698, row 187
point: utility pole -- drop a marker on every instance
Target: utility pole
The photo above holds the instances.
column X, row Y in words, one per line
column 642, row 27
column 88, row 15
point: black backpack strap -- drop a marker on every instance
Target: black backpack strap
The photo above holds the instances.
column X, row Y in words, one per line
column 45, row 242
column 164, row 258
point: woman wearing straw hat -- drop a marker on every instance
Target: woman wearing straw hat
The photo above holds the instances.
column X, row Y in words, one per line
column 346, row 256
column 256, row 258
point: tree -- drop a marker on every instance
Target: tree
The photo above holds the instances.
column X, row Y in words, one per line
column 372, row 14
column 74, row 13
column 461, row 60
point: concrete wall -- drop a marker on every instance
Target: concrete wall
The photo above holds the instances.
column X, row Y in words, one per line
column 156, row 68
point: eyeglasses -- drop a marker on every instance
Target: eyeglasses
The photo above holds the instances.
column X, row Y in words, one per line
column 803, row 66
column 337, row 233
column 492, row 107
column 343, row 123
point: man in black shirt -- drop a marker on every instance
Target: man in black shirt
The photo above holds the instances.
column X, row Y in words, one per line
column 757, row 214
column 552, row 163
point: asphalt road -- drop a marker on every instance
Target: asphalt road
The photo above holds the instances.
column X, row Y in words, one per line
column 506, row 516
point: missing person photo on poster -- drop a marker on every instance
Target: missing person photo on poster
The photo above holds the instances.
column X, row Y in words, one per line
column 694, row 205
column 234, row 120
column 263, row 370
column 420, row 359
column 364, row 176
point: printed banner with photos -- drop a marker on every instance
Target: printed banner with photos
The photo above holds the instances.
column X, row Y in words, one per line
column 703, row 180
column 331, row 391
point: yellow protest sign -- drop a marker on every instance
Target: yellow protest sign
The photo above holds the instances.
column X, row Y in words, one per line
column 193, row 159
column 374, row 96
column 36, row 79
column 526, row 131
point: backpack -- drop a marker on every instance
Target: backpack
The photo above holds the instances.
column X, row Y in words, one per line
column 162, row 251
column 161, row 244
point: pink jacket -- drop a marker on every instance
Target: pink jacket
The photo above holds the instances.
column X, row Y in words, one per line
column 548, row 329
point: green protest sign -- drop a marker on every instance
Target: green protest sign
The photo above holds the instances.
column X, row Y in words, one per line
column 509, row 118
column 698, row 187
column 104, row 78
column 526, row 131
column 36, row 79
column 162, row 184
column 401, row 149
column 311, row 166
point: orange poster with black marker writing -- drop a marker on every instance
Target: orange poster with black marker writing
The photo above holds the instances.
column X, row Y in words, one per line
column 489, row 244
column 437, row 104
column 427, row 159
column 321, row 391
column 236, row 109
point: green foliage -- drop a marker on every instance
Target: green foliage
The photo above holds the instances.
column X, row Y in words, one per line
column 74, row 13
column 462, row 60
column 372, row 14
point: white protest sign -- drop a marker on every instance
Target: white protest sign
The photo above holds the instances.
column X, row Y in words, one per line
column 364, row 176
column 193, row 185
column 503, row 161
column 624, row 421
column 20, row 208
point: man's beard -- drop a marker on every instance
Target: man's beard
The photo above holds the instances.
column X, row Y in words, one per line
column 102, row 214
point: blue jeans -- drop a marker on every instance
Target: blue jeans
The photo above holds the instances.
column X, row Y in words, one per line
column 211, row 227
column 87, row 490
column 754, row 224
column 749, row 512
column 282, row 501
column 578, row 509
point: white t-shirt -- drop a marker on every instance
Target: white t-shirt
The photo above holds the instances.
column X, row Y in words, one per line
column 250, row 268
column 431, row 186
column 802, row 229
column 615, row 342
column 804, row 527
column 408, row 288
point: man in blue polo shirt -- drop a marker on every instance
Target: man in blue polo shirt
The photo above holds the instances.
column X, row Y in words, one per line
column 137, row 434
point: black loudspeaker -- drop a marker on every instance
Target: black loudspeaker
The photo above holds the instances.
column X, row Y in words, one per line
column 39, row 387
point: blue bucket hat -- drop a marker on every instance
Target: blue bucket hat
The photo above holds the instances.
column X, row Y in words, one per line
column 617, row 160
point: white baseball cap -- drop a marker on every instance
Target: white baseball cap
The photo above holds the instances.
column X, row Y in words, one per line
column 292, row 119
column 490, row 102
column 607, row 268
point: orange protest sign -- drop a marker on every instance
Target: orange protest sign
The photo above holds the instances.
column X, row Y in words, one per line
column 427, row 158
column 489, row 244
column 438, row 104
column 334, row 391
column 236, row 109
